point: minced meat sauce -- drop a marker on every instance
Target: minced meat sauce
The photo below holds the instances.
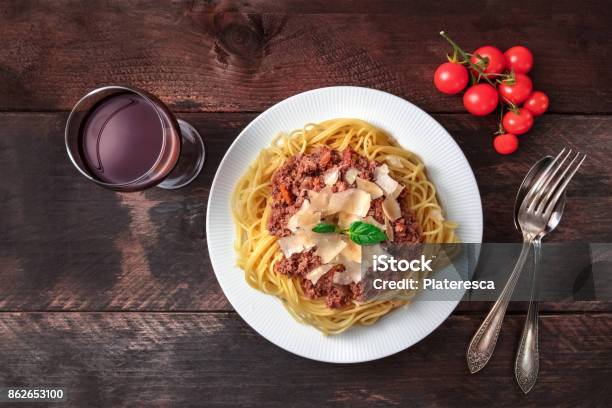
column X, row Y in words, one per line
column 290, row 185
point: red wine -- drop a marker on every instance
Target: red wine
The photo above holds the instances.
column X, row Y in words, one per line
column 125, row 137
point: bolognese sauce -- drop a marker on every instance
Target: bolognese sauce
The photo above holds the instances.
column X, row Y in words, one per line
column 290, row 186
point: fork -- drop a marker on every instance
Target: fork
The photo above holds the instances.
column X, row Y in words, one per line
column 534, row 213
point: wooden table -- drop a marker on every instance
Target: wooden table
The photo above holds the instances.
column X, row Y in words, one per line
column 113, row 297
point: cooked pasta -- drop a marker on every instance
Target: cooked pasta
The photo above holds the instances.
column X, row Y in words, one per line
column 258, row 250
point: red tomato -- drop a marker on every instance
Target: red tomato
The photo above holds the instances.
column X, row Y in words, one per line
column 518, row 92
column 480, row 99
column 506, row 143
column 537, row 103
column 496, row 60
column 518, row 123
column 519, row 59
column 451, row 78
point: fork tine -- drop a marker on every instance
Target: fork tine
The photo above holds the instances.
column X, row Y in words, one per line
column 551, row 190
column 537, row 201
column 538, row 184
column 553, row 202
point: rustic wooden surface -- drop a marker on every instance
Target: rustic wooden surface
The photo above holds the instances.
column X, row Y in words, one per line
column 243, row 56
column 153, row 256
column 113, row 296
column 214, row 359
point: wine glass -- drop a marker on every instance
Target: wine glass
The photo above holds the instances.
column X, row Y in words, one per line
column 126, row 139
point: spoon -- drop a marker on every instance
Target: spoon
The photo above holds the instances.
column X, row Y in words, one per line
column 526, row 365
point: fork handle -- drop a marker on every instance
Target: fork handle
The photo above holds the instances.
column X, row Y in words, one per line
column 527, row 362
column 483, row 343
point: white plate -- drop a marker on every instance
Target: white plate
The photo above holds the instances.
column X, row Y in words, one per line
column 416, row 131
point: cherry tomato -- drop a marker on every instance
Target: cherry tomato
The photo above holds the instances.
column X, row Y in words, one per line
column 518, row 123
column 518, row 92
column 537, row 103
column 451, row 78
column 480, row 99
column 519, row 59
column 496, row 60
column 506, row 143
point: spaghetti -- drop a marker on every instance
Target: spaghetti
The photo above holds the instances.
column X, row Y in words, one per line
column 258, row 250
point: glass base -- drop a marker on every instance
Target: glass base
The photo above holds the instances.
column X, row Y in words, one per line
column 190, row 161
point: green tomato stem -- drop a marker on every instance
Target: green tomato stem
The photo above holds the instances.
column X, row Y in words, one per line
column 466, row 59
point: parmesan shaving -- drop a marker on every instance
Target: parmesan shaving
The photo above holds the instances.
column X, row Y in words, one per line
column 391, row 208
column 295, row 244
column 380, row 170
column 384, row 181
column 331, row 176
column 304, row 218
column 397, row 191
column 318, row 272
column 352, row 201
column 329, row 246
column 345, row 219
column 394, row 160
column 352, row 252
column 370, row 188
column 351, row 175
column 319, row 201
column 371, row 220
column 389, row 230
column 351, row 274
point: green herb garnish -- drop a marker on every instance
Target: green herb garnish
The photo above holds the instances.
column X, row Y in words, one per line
column 359, row 232
column 363, row 233
column 325, row 228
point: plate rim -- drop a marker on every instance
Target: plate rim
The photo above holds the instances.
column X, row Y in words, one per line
column 270, row 111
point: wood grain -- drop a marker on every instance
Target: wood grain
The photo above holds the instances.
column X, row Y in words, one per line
column 165, row 359
column 67, row 244
column 118, row 278
column 244, row 56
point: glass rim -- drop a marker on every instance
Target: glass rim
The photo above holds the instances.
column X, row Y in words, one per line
column 85, row 98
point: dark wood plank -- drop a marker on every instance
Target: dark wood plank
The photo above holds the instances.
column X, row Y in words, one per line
column 66, row 244
column 520, row 308
column 160, row 359
column 244, row 56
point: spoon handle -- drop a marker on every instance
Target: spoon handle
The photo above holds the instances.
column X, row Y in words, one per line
column 483, row 343
column 527, row 361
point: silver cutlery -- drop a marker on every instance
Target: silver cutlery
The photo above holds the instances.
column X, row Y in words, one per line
column 527, row 359
column 533, row 217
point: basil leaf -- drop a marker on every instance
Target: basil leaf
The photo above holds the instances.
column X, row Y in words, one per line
column 363, row 233
column 324, row 228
